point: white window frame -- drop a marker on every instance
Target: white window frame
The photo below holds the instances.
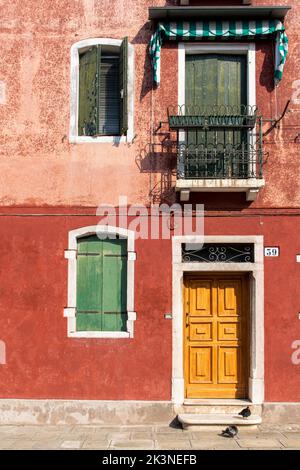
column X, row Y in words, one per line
column 74, row 93
column 229, row 48
column 71, row 256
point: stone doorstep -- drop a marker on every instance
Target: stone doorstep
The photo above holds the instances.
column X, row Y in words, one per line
column 192, row 421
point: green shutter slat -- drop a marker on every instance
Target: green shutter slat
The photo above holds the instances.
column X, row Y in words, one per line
column 215, row 79
column 114, row 322
column 123, row 85
column 88, row 322
column 87, row 113
column 91, row 244
column 109, row 96
column 116, row 246
column 114, row 280
column 89, row 283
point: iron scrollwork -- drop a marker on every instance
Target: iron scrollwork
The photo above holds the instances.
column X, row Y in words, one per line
column 219, row 253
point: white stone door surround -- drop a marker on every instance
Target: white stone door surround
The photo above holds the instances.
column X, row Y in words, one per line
column 256, row 270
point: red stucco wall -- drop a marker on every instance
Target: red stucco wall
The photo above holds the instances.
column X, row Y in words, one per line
column 41, row 167
column 43, row 363
column 41, row 172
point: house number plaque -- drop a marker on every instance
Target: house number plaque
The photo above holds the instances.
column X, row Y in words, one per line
column 271, row 251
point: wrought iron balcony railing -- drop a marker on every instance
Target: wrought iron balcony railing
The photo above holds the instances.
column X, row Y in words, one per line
column 212, row 117
column 218, row 161
column 218, row 142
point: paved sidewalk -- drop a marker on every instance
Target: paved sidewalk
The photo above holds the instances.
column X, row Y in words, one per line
column 144, row 437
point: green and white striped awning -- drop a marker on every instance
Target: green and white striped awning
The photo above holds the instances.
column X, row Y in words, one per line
column 208, row 30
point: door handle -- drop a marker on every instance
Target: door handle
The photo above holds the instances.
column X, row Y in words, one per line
column 187, row 319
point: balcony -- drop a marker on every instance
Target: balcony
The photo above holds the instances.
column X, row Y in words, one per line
column 219, row 149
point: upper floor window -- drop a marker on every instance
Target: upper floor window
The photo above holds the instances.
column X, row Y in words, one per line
column 101, row 91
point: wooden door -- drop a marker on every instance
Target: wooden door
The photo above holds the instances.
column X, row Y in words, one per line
column 216, row 336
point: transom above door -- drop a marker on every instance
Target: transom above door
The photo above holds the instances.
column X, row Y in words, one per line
column 216, row 351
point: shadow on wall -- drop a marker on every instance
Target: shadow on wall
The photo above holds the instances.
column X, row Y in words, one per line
column 266, row 78
column 159, row 161
column 143, row 37
column 212, row 3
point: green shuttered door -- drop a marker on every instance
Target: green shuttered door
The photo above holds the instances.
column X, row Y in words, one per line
column 101, row 285
column 215, row 80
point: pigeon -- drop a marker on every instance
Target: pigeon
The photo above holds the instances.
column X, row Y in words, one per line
column 245, row 412
column 231, row 431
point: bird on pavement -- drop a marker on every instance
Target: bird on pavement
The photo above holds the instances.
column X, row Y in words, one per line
column 231, row 431
column 245, row 412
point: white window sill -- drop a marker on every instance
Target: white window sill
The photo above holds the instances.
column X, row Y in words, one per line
column 99, row 334
column 105, row 139
column 250, row 186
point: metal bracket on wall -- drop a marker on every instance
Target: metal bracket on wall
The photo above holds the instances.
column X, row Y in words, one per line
column 160, row 125
column 275, row 121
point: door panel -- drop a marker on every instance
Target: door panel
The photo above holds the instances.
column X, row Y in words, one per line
column 229, row 301
column 201, row 299
column 201, row 364
column 228, row 364
column 216, row 336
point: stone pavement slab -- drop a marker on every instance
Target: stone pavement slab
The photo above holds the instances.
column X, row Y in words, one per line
column 259, row 443
column 7, row 444
column 173, row 445
column 291, row 443
column 95, row 445
column 143, row 437
column 52, row 444
column 71, row 444
column 210, row 444
column 142, row 444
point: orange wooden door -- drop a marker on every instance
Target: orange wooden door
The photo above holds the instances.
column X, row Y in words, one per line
column 216, row 336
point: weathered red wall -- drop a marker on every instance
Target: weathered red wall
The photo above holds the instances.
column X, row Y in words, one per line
column 43, row 363
column 41, row 170
column 41, row 167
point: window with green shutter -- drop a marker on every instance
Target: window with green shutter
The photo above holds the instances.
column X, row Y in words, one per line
column 101, row 284
column 103, row 97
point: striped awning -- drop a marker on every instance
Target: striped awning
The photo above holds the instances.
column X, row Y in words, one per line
column 209, row 30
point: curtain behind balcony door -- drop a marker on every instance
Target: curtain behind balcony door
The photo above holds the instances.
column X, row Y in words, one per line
column 215, row 80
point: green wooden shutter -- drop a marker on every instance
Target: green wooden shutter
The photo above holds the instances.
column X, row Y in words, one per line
column 109, row 95
column 89, row 284
column 88, row 100
column 215, row 80
column 101, row 285
column 114, row 285
column 123, row 84
column 102, row 99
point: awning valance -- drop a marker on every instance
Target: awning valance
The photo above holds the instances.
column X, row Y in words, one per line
column 209, row 30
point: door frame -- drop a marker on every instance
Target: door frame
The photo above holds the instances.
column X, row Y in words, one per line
column 256, row 271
